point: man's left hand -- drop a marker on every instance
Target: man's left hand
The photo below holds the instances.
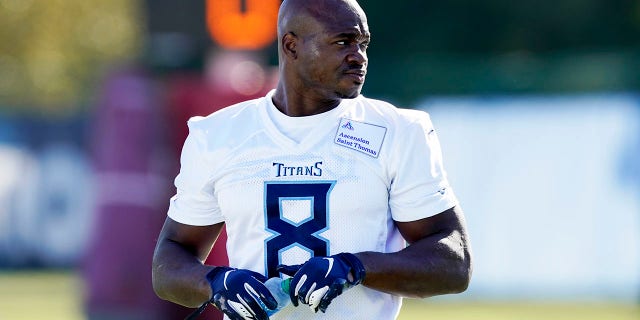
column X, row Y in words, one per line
column 321, row 279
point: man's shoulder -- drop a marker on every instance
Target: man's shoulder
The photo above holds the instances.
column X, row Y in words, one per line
column 235, row 112
column 392, row 112
column 378, row 104
column 228, row 126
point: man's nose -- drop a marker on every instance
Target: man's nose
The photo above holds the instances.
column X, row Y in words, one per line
column 357, row 55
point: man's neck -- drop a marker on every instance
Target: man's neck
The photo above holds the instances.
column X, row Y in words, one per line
column 300, row 105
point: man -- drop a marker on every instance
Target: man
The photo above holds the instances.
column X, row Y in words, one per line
column 316, row 182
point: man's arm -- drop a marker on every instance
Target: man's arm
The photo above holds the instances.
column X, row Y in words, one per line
column 437, row 260
column 178, row 262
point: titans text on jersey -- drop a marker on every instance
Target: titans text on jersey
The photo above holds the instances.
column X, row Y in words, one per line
column 283, row 170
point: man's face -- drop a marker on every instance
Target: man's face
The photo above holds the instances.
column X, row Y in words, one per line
column 333, row 58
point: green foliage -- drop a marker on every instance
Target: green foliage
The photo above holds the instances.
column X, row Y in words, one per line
column 422, row 48
column 52, row 51
column 492, row 26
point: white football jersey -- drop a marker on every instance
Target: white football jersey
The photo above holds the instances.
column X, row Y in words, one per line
column 339, row 188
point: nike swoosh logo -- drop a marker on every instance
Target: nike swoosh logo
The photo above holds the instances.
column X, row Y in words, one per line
column 330, row 267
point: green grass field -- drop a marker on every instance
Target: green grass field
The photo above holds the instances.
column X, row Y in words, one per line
column 37, row 295
column 57, row 296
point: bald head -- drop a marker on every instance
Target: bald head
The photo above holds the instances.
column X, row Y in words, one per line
column 294, row 15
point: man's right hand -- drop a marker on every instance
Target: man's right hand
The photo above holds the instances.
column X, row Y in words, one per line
column 240, row 293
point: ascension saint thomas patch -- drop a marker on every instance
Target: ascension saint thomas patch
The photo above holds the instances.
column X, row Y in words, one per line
column 360, row 136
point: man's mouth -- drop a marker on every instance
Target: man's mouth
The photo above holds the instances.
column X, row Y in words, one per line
column 357, row 75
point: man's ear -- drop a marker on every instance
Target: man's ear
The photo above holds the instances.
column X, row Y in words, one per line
column 290, row 45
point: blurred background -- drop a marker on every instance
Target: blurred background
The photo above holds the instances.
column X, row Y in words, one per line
column 536, row 102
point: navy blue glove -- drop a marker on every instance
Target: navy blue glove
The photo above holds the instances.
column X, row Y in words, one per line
column 240, row 293
column 321, row 279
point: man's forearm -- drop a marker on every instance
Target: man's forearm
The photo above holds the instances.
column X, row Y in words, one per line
column 180, row 279
column 438, row 264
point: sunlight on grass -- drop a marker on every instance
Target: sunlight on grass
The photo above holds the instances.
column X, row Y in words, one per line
column 40, row 295
column 58, row 296
column 417, row 309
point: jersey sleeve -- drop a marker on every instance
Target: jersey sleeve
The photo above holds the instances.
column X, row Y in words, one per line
column 419, row 186
column 194, row 202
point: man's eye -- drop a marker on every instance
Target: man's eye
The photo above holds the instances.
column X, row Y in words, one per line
column 341, row 42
